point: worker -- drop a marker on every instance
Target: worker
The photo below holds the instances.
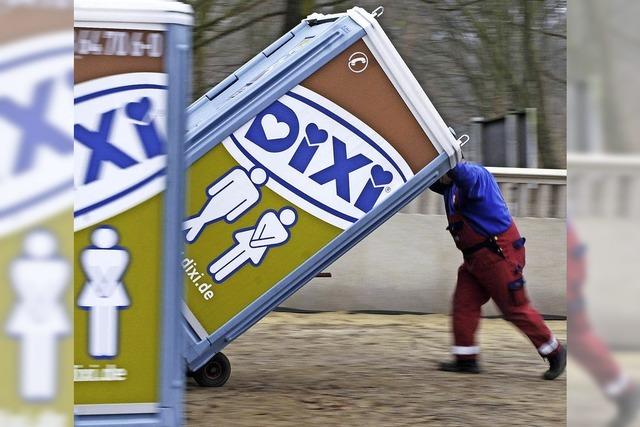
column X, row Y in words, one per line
column 588, row 349
column 494, row 259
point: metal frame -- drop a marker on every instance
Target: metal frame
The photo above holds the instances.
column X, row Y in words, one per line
column 212, row 119
column 168, row 411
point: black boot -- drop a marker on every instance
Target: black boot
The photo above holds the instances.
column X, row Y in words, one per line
column 557, row 364
column 463, row 366
column 628, row 407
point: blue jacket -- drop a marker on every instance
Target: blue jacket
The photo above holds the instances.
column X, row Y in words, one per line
column 475, row 195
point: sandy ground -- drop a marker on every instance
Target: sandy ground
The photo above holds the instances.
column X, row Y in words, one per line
column 586, row 406
column 339, row 369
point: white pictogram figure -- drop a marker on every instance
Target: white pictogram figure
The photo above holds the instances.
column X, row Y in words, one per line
column 229, row 197
column 39, row 277
column 253, row 243
column 104, row 264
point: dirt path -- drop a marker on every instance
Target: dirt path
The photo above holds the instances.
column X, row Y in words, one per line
column 338, row 369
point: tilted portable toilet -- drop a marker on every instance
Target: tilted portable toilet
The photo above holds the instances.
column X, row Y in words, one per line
column 131, row 85
column 292, row 160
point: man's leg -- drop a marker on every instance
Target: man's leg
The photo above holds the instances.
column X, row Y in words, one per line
column 505, row 285
column 594, row 356
column 468, row 299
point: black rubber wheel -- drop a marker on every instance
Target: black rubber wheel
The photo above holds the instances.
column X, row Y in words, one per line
column 214, row 373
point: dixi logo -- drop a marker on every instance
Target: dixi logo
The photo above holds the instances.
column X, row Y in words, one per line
column 320, row 157
column 35, row 121
column 120, row 144
column 103, row 151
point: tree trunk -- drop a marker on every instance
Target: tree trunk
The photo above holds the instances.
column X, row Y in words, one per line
column 201, row 14
column 534, row 88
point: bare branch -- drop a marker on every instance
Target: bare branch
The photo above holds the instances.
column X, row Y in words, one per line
column 244, row 6
column 331, row 3
column 542, row 31
column 452, row 8
column 238, row 27
column 550, row 76
column 200, row 43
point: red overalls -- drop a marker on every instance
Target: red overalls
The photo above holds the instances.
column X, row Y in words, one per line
column 587, row 348
column 492, row 268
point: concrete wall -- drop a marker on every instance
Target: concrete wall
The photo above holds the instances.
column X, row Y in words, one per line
column 612, row 289
column 410, row 264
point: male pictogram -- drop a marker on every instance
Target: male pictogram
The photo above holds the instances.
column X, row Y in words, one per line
column 230, row 197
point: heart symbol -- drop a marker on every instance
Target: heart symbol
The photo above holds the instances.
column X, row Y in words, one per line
column 315, row 135
column 138, row 110
column 380, row 176
column 274, row 129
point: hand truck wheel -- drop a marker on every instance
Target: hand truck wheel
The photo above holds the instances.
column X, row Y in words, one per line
column 214, row 373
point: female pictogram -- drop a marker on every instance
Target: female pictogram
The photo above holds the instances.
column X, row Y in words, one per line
column 39, row 277
column 253, row 243
column 104, row 264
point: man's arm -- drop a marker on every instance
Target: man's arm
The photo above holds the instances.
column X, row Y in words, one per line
column 438, row 187
column 464, row 175
column 469, row 179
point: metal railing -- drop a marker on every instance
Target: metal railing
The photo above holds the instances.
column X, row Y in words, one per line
column 529, row 192
column 604, row 185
